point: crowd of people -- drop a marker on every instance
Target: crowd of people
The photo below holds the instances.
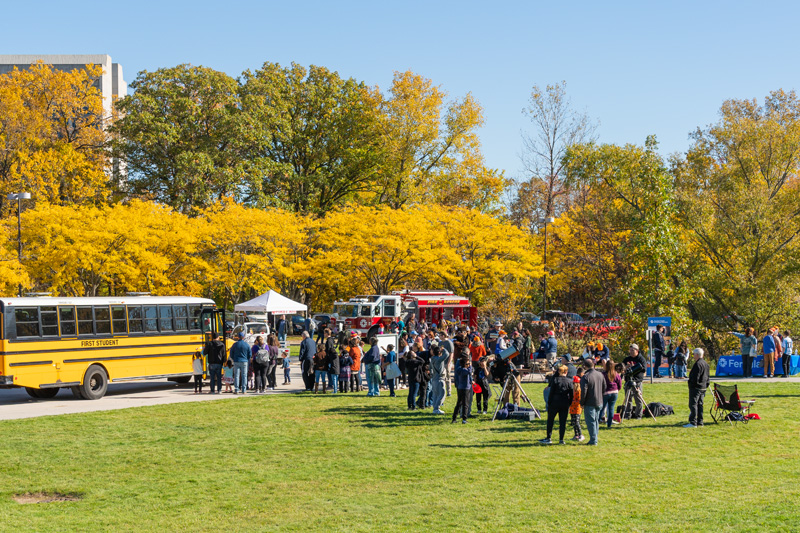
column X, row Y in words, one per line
column 433, row 364
column 774, row 347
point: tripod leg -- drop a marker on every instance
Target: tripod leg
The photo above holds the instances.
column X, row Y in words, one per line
column 641, row 399
column 625, row 405
column 500, row 399
column 525, row 397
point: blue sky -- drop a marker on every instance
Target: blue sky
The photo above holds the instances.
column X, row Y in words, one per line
column 636, row 67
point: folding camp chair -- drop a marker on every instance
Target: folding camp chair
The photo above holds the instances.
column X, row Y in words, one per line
column 728, row 406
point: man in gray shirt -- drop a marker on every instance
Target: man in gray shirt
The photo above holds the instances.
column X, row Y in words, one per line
column 439, row 360
column 593, row 386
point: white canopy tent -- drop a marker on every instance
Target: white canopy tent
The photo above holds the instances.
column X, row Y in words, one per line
column 271, row 302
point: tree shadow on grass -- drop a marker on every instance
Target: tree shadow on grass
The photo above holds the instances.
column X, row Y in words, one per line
column 381, row 416
column 516, row 444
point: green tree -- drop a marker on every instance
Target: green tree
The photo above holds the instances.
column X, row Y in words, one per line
column 642, row 193
column 313, row 137
column 740, row 204
column 180, row 135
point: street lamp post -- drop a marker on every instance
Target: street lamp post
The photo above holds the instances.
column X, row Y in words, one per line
column 548, row 220
column 19, row 196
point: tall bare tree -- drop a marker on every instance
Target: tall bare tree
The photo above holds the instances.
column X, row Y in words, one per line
column 556, row 127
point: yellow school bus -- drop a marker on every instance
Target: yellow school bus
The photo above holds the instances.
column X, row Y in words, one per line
column 50, row 343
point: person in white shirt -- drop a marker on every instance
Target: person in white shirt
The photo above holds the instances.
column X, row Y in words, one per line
column 788, row 349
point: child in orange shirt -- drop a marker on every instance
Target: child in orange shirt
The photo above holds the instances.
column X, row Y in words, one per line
column 575, row 408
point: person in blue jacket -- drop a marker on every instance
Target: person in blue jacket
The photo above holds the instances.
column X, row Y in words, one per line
column 240, row 355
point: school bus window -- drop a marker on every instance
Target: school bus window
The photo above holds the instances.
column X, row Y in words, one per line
column 49, row 317
column 85, row 321
column 102, row 320
column 118, row 321
column 165, row 315
column 150, row 318
column 194, row 317
column 67, row 318
column 27, row 321
column 181, row 317
column 135, row 324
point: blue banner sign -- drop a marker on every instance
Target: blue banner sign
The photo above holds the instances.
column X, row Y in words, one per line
column 731, row 365
column 654, row 321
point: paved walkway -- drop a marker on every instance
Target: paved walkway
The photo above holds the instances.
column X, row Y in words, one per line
column 15, row 403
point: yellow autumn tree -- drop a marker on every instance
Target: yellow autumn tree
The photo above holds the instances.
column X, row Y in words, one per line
column 379, row 247
column 432, row 150
column 52, row 143
column 250, row 251
column 12, row 274
column 481, row 253
column 110, row 250
column 587, row 256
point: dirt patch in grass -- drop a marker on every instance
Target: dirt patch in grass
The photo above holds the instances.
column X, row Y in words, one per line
column 46, row 497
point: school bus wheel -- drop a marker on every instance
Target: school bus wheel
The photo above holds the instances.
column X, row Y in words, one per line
column 41, row 394
column 95, row 383
column 76, row 392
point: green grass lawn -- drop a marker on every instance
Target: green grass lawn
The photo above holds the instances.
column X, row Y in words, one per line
column 351, row 463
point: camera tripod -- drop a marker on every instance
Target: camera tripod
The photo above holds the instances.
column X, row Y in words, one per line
column 629, row 396
column 506, row 387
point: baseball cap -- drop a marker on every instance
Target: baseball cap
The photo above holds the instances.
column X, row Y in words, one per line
column 635, row 347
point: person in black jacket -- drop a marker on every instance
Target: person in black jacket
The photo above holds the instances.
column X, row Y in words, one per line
column 658, row 349
column 215, row 352
column 332, row 356
column 482, row 379
column 698, row 383
column 414, row 370
column 424, row 378
column 561, row 391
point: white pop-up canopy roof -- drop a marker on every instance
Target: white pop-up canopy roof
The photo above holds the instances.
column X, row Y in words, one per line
column 271, row 302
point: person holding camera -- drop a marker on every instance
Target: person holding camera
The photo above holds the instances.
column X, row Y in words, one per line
column 635, row 369
column 503, row 368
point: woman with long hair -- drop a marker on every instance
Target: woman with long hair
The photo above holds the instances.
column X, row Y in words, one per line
column 613, row 386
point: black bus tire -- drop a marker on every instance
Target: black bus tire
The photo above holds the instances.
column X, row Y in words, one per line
column 42, row 394
column 183, row 380
column 95, row 383
column 33, row 393
column 76, row 392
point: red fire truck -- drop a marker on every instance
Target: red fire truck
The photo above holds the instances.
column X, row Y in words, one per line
column 365, row 313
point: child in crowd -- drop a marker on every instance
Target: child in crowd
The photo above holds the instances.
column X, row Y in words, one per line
column 197, row 370
column 227, row 375
column 345, row 361
column 286, row 365
column 388, row 359
column 251, row 376
column 575, row 408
